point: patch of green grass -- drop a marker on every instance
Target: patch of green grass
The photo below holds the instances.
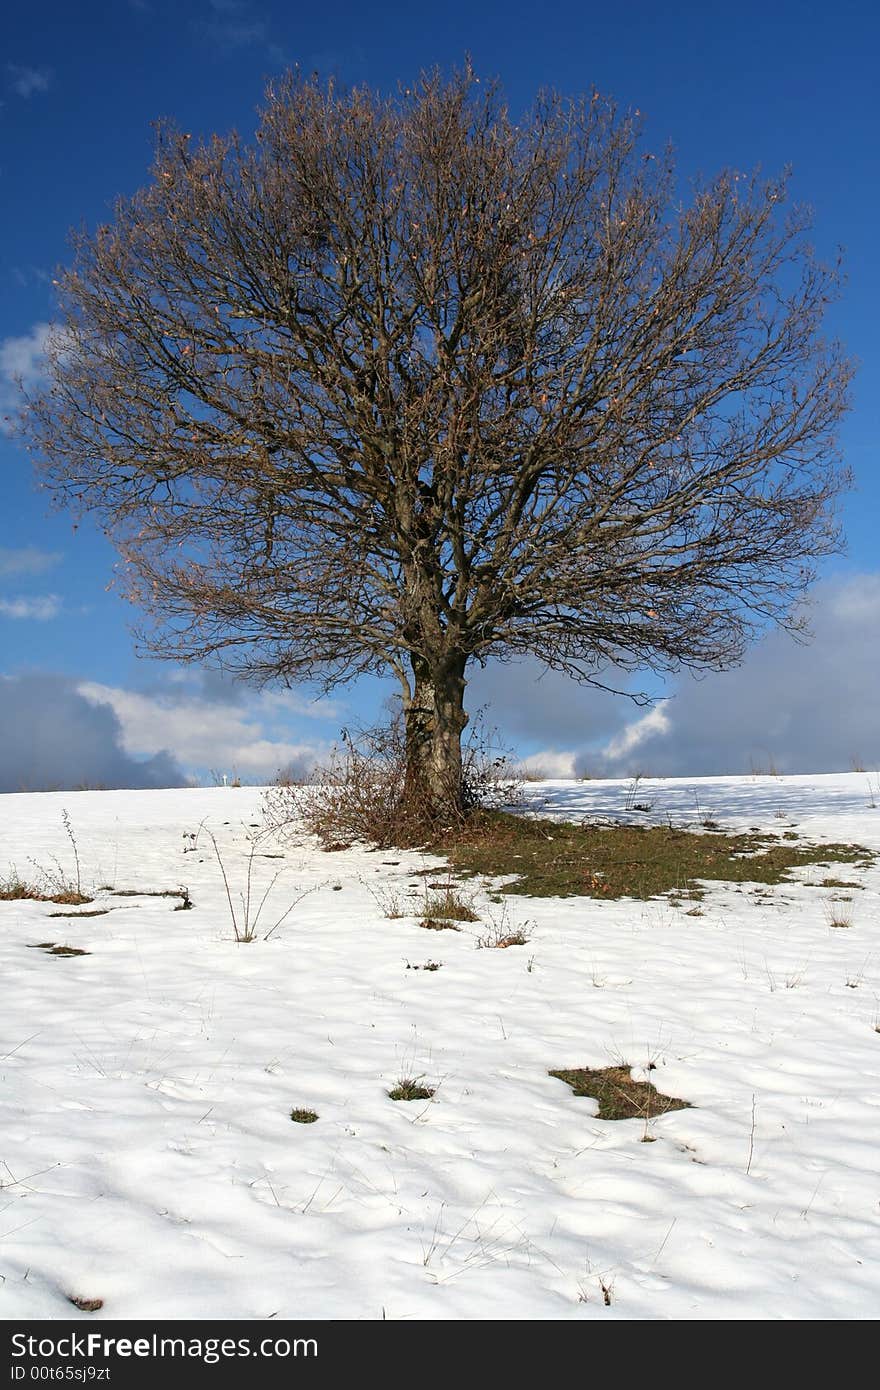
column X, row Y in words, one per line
column 303, row 1117
column 619, row 1097
column 410, row 1088
column 560, row 859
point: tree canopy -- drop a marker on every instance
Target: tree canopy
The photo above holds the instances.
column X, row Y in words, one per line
column 407, row 382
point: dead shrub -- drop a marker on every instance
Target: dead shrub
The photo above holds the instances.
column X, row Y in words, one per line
column 360, row 793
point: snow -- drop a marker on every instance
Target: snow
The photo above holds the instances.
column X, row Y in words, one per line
column 148, row 1157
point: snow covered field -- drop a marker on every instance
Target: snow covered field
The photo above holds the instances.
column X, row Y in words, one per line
column 148, row 1155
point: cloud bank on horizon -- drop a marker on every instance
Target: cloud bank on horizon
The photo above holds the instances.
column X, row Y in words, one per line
column 797, row 707
column 52, row 737
column 800, row 707
column 214, row 724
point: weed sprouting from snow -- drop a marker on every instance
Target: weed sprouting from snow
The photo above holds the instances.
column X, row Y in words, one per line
column 502, row 932
column 854, row 981
column 48, row 888
column 50, row 885
column 411, row 1088
column 839, row 913
column 597, row 979
column 601, row 1280
column 446, row 902
column 65, row 819
column 388, row 901
column 246, row 919
column 631, row 801
column 752, row 1131
column 795, row 978
column 480, row 1240
column 13, row 888
column 62, row 887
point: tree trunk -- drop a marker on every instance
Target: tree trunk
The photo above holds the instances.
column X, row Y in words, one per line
column 435, row 721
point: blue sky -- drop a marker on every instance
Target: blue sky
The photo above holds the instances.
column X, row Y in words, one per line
column 782, row 83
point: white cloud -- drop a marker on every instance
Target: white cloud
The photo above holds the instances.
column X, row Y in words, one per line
column 549, row 762
column 39, row 609
column 23, row 356
column 236, row 738
column 26, row 81
column 855, row 604
column 22, row 363
column 28, row 560
column 287, row 702
column 51, row 737
column 656, row 721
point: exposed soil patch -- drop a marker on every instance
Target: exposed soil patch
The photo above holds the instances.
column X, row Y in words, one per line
column 184, row 905
column 619, row 1097
column 52, row 950
column 97, row 912
column 303, row 1117
column 86, row 1305
column 17, row 892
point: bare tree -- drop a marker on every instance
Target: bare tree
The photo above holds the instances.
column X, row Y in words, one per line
column 405, row 383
